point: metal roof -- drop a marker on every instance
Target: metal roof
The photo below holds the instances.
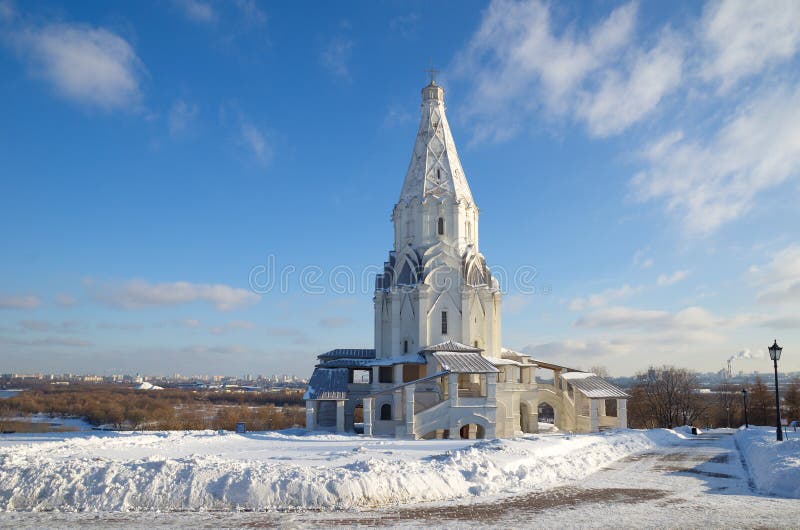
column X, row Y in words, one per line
column 352, row 353
column 326, row 380
column 593, row 386
column 451, row 346
column 465, row 363
column 346, row 362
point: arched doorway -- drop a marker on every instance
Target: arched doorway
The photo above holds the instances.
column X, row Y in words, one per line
column 472, row 431
column 547, row 413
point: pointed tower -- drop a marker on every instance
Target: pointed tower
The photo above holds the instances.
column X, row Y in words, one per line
column 436, row 285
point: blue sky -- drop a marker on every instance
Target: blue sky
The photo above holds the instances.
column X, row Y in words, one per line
column 643, row 158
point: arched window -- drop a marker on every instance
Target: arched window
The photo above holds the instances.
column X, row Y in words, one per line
column 441, row 226
column 476, row 343
column 386, row 412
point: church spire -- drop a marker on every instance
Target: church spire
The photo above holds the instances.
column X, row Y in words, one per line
column 435, row 169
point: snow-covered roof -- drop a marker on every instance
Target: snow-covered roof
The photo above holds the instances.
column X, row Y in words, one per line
column 465, row 363
column 497, row 361
column 593, row 386
column 325, row 381
column 354, row 353
column 507, row 353
column 451, row 346
column 366, row 363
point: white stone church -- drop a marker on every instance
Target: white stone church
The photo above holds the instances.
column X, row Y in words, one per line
column 438, row 369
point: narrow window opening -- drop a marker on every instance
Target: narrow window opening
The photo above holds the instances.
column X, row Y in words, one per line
column 438, row 174
column 441, row 226
column 444, row 322
column 476, row 343
column 386, row 412
column 405, row 346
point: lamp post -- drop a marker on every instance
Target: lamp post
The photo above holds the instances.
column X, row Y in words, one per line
column 775, row 355
column 744, row 399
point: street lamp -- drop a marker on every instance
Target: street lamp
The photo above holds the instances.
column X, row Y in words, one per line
column 744, row 399
column 775, row 355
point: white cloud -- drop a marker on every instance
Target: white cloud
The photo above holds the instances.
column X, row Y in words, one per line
column 707, row 183
column 335, row 322
column 251, row 13
column 19, row 302
column 641, row 259
column 623, row 99
column 47, row 342
column 7, row 10
column 742, row 37
column 137, row 294
column 181, row 116
column 696, row 318
column 196, row 10
column 603, row 298
column 518, row 62
column 335, row 57
column 256, row 142
column 91, row 66
column 65, row 300
column 778, row 281
column 44, row 325
column 671, row 279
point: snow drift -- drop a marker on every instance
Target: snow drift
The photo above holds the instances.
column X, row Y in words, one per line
column 206, row 471
column 774, row 466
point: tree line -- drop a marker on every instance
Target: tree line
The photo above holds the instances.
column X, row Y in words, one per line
column 168, row 409
column 668, row 397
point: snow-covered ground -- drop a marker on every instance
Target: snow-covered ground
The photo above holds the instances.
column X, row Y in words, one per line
column 774, row 466
column 624, row 479
column 261, row 471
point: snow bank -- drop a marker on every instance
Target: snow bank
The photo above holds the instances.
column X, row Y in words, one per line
column 260, row 471
column 774, row 466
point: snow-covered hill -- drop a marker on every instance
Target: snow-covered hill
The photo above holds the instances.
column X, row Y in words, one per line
column 207, row 471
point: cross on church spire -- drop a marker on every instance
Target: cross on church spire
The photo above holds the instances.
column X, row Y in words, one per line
column 431, row 72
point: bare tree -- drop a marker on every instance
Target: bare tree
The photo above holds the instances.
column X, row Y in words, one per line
column 762, row 401
column 668, row 397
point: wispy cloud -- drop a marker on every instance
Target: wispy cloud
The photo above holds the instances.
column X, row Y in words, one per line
column 91, row 66
column 65, row 300
column 66, row 326
column 742, row 37
column 335, row 322
column 47, row 342
column 19, row 302
column 707, row 183
column 603, row 298
column 255, row 140
column 335, row 56
column 196, row 10
column 778, row 281
column 518, row 62
column 138, row 294
column 671, row 279
column 181, row 117
column 642, row 260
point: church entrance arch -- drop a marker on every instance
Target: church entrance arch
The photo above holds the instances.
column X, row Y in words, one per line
column 472, row 431
column 547, row 414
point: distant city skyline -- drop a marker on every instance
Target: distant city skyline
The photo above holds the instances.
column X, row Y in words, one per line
column 205, row 187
